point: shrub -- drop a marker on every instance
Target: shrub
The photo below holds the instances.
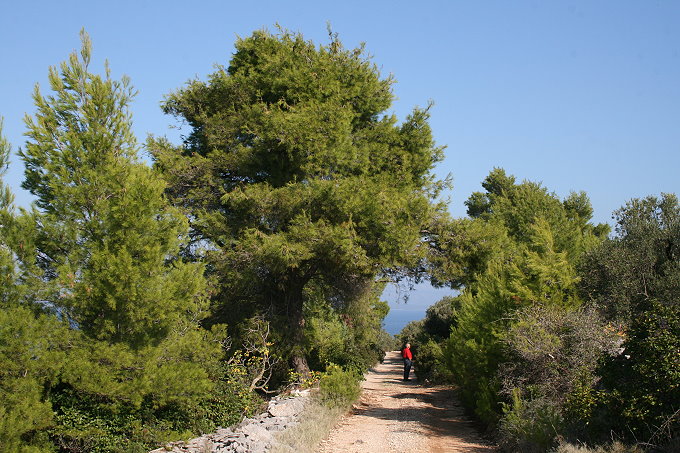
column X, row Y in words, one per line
column 643, row 385
column 85, row 423
column 227, row 406
column 550, row 374
column 529, row 425
column 430, row 363
column 440, row 317
column 412, row 333
column 339, row 388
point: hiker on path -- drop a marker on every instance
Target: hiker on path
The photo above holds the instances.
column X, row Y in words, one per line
column 408, row 360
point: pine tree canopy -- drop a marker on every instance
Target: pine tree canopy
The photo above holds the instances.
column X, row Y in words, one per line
column 294, row 171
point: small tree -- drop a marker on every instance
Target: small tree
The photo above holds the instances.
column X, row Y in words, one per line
column 519, row 250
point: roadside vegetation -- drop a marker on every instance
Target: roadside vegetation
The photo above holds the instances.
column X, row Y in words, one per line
column 560, row 335
column 143, row 303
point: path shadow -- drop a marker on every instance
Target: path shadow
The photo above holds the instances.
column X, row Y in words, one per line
column 436, row 408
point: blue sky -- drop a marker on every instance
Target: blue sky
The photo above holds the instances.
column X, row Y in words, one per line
column 579, row 95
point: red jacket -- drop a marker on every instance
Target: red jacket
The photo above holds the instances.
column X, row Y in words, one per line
column 406, row 353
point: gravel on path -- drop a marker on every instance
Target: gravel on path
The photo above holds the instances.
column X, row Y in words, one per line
column 395, row 416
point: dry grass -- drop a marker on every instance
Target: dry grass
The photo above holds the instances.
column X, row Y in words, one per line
column 614, row 447
column 317, row 421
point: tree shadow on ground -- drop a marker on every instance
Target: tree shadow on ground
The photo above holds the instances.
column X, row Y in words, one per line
column 434, row 408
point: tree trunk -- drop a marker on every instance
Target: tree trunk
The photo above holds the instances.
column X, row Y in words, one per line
column 300, row 366
column 296, row 320
column 298, row 359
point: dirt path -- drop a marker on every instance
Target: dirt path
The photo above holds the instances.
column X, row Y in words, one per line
column 396, row 416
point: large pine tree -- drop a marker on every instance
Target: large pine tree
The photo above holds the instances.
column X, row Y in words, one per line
column 297, row 176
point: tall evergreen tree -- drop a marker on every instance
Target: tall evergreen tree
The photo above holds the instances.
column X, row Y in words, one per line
column 108, row 240
column 108, row 247
column 297, row 177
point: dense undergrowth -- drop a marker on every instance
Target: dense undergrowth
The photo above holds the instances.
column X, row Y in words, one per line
column 559, row 337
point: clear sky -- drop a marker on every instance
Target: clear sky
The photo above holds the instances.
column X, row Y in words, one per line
column 579, row 95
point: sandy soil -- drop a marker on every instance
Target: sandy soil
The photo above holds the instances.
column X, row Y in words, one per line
column 402, row 416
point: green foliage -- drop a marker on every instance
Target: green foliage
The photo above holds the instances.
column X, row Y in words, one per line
column 412, row 333
column 9, row 285
column 299, row 180
column 232, row 398
column 640, row 263
column 474, row 349
column 654, row 389
column 96, row 299
column 108, row 239
column 502, row 221
column 441, row 317
column 461, row 249
column 634, row 279
column 516, row 206
column 31, row 356
column 113, row 398
column 427, row 336
column 518, row 251
column 553, row 357
column 97, row 422
column 328, row 339
column 643, row 385
column 431, row 364
column 83, row 424
column 30, row 343
column 350, row 336
column 338, row 387
column 529, row 426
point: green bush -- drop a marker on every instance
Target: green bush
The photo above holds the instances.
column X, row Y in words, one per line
column 92, row 423
column 430, row 363
column 338, row 387
column 229, row 404
column 642, row 387
column 440, row 317
column 529, row 425
column 352, row 337
column 413, row 333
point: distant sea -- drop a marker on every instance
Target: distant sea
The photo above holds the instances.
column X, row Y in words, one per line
column 396, row 319
column 402, row 312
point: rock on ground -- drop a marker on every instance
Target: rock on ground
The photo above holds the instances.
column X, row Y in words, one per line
column 252, row 434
